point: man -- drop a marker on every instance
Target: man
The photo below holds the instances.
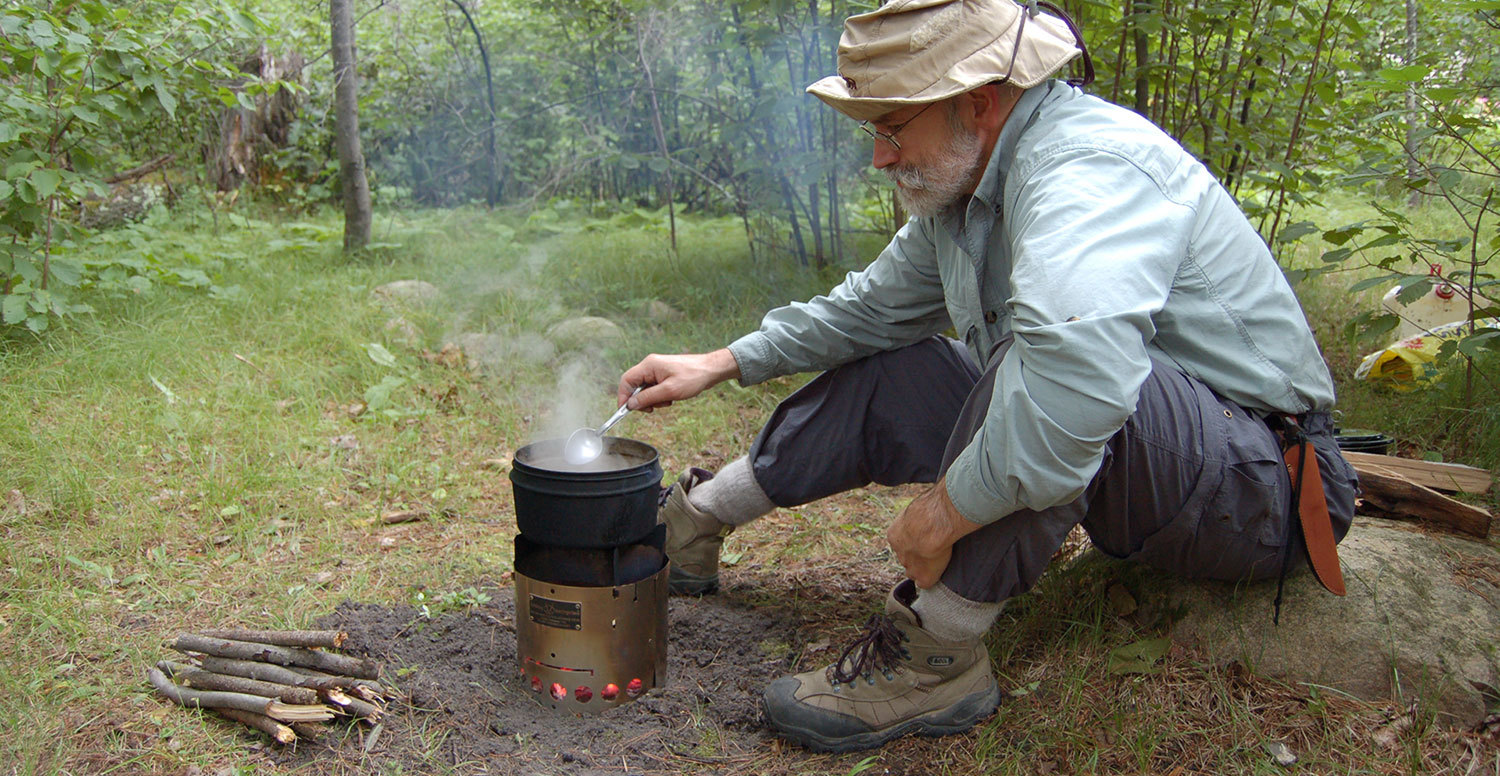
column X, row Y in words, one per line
column 1128, row 343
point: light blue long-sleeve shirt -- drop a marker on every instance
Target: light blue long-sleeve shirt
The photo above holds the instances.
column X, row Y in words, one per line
column 1099, row 243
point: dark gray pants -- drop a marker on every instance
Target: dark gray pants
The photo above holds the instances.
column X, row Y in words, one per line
column 1192, row 484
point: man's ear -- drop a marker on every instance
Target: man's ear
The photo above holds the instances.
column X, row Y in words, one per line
column 990, row 105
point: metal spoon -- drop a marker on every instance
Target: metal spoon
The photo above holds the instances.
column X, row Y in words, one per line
column 586, row 444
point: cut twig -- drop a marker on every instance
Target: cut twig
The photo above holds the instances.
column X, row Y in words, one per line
column 307, row 731
column 283, row 638
column 200, row 679
column 363, row 687
column 403, row 516
column 261, row 722
column 369, row 712
column 250, row 363
column 199, row 699
column 270, row 653
column 270, row 672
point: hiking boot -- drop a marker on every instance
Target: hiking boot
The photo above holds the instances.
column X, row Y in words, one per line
column 694, row 538
column 894, row 680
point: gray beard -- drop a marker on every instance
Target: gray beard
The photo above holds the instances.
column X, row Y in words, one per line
column 927, row 190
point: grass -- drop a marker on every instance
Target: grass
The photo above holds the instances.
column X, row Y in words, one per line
column 177, row 460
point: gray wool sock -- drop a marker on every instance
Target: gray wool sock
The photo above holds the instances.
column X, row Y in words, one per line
column 732, row 496
column 951, row 617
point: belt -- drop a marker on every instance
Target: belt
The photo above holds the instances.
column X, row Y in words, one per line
column 1309, row 509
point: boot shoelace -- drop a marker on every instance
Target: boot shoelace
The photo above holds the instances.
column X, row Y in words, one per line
column 878, row 648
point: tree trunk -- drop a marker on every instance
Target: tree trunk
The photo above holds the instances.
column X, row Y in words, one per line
column 665, row 177
column 1413, row 170
column 492, row 161
column 1142, row 60
column 356, row 189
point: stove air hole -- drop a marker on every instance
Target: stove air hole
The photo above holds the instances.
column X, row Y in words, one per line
column 634, row 687
column 583, row 694
column 558, row 691
column 613, row 622
column 610, row 691
column 536, row 684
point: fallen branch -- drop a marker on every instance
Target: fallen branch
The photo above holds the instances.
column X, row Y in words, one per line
column 284, row 638
column 1392, row 495
column 1430, row 474
column 270, row 653
column 200, row 679
column 198, row 699
column 261, row 722
column 142, row 171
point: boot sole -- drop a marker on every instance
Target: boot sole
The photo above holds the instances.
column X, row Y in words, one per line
column 682, row 583
column 955, row 719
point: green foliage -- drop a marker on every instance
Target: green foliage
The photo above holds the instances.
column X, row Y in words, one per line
column 84, row 79
column 1430, row 139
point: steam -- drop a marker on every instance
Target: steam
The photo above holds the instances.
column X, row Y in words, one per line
column 579, row 398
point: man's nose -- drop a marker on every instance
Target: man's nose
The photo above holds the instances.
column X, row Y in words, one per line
column 884, row 155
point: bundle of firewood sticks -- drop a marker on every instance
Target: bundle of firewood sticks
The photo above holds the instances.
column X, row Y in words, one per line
column 280, row 682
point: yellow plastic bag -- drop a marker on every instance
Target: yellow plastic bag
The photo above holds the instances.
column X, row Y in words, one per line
column 1411, row 363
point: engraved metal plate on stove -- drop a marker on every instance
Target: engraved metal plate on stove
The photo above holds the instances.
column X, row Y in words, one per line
column 567, row 615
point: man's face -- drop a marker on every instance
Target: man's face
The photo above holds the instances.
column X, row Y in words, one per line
column 938, row 162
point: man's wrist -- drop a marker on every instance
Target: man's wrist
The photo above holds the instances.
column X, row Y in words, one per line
column 723, row 365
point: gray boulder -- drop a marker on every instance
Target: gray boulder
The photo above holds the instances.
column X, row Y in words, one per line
column 585, row 333
column 408, row 293
column 658, row 310
column 1421, row 618
column 492, row 354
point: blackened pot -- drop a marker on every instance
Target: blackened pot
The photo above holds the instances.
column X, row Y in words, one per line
column 609, row 502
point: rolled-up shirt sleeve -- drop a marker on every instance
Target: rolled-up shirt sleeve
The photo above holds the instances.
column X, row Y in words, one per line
column 895, row 301
column 1096, row 247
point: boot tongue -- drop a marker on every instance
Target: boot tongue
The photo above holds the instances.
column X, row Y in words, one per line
column 898, row 604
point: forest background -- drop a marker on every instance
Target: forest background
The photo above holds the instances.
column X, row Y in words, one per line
column 587, row 109
column 201, row 421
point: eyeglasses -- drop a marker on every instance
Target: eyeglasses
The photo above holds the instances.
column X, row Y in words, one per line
column 890, row 137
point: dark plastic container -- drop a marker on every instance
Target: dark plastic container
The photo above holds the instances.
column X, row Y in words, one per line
column 607, row 503
column 1359, row 440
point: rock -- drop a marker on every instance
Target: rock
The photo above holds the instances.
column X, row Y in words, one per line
column 492, row 354
column 661, row 311
column 1280, row 753
column 1421, row 609
column 585, row 332
column 400, row 330
column 127, row 202
column 407, row 293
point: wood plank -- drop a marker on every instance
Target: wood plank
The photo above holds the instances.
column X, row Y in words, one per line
column 1438, row 476
column 1391, row 495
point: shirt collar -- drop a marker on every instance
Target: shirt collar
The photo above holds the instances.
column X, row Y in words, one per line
column 971, row 219
column 992, row 183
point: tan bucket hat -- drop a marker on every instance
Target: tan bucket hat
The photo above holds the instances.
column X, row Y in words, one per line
column 912, row 52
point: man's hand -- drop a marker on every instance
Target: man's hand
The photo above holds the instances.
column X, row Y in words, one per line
column 673, row 378
column 923, row 535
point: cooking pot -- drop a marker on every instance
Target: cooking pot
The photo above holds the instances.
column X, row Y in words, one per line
column 608, row 502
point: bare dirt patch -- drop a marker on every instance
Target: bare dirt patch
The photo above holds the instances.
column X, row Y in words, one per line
column 467, row 710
